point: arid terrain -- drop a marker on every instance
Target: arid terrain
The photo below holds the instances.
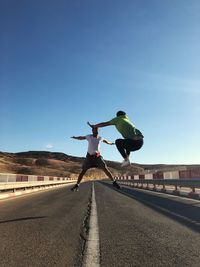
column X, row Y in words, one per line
column 60, row 164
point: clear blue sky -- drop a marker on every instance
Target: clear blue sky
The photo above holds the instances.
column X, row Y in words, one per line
column 63, row 63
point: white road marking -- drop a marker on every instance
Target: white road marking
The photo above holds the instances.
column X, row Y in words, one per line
column 92, row 254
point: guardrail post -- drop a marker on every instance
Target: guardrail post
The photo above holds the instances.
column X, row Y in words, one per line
column 154, row 187
column 193, row 189
column 163, row 190
column 147, row 186
column 141, row 185
column 193, row 193
column 176, row 191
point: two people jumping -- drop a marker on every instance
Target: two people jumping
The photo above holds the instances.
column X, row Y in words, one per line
column 132, row 141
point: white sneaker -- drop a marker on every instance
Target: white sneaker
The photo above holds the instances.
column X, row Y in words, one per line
column 125, row 163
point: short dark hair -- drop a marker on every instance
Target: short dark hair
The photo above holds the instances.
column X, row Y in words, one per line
column 120, row 113
column 95, row 129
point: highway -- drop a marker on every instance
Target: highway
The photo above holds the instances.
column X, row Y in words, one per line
column 136, row 228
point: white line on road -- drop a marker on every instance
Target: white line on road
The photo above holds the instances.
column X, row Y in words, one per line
column 91, row 258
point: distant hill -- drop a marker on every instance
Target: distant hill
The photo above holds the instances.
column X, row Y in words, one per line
column 60, row 164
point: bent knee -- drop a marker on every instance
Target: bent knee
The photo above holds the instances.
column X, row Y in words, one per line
column 118, row 141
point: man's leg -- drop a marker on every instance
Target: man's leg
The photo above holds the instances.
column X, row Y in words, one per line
column 125, row 146
column 100, row 163
column 120, row 144
column 76, row 186
column 85, row 167
column 109, row 174
column 80, row 177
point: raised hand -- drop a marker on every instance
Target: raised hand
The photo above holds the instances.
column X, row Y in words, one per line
column 90, row 124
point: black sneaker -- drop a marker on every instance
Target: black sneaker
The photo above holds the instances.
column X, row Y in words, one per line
column 75, row 187
column 116, row 185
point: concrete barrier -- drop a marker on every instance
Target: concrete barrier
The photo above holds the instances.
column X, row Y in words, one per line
column 162, row 181
column 184, row 174
column 17, row 181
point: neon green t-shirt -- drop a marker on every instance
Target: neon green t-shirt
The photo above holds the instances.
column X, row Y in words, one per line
column 125, row 127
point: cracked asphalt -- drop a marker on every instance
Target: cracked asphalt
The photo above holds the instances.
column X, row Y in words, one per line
column 136, row 228
column 44, row 229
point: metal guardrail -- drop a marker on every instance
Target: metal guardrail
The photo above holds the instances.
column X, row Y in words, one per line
column 187, row 183
column 21, row 185
column 14, row 181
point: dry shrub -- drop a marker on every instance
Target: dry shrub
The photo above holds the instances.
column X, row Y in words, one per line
column 25, row 171
column 42, row 162
column 24, row 161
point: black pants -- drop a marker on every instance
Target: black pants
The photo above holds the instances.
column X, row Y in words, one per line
column 125, row 146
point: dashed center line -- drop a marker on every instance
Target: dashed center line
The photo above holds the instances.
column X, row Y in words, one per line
column 92, row 252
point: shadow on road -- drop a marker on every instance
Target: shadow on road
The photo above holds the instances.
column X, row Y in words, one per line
column 24, row 219
column 186, row 212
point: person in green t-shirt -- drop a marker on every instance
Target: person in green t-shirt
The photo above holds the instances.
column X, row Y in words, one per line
column 132, row 137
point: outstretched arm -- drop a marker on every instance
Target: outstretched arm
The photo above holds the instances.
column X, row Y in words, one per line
column 99, row 125
column 107, row 142
column 79, row 137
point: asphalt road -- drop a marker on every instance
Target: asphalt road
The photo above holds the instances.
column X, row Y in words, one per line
column 43, row 229
column 136, row 228
column 142, row 228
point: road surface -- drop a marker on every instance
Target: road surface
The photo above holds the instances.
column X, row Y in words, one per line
column 136, row 228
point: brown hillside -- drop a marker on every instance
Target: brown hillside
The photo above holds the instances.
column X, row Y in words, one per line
column 55, row 164
column 60, row 164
